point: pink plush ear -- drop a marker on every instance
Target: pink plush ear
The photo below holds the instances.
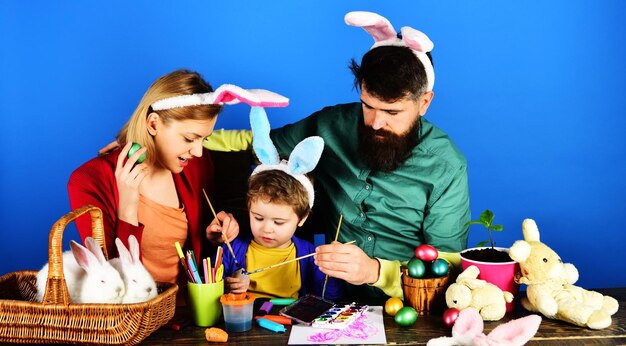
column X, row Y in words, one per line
column 468, row 325
column 232, row 94
column 376, row 25
column 416, row 40
column 515, row 332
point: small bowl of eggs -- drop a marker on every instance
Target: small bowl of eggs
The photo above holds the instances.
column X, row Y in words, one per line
column 425, row 279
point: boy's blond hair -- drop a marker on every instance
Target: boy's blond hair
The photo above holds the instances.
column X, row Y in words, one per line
column 275, row 186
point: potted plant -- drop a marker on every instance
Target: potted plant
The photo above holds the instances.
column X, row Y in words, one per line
column 494, row 263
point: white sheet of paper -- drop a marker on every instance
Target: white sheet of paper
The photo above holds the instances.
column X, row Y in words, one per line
column 367, row 329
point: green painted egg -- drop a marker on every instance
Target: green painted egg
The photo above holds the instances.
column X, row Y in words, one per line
column 406, row 316
column 439, row 268
column 416, row 268
column 133, row 149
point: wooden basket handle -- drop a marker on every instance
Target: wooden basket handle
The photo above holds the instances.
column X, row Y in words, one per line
column 56, row 289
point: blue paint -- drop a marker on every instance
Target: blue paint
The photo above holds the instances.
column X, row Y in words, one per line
column 238, row 326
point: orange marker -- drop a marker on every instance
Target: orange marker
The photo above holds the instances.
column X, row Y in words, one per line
column 276, row 318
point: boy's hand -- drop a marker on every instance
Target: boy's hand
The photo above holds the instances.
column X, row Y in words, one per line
column 238, row 284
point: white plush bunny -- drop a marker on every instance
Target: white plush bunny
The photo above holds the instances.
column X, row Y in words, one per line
column 88, row 275
column 468, row 331
column 140, row 285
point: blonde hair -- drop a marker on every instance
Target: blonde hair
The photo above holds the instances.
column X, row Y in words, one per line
column 274, row 186
column 179, row 82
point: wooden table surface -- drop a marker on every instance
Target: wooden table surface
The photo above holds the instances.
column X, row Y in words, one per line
column 551, row 332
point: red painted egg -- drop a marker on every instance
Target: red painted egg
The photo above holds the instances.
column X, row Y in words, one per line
column 426, row 252
column 450, row 316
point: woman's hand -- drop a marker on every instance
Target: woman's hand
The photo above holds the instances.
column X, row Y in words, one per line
column 347, row 262
column 129, row 176
column 229, row 228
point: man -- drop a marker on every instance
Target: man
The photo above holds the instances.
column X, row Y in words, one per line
column 397, row 180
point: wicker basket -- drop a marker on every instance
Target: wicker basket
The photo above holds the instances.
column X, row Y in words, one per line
column 427, row 296
column 56, row 320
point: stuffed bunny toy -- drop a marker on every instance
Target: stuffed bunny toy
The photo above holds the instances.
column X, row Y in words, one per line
column 139, row 284
column 468, row 291
column 551, row 289
column 88, row 275
column 468, row 331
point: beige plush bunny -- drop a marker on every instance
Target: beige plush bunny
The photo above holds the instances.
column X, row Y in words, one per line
column 550, row 284
column 487, row 298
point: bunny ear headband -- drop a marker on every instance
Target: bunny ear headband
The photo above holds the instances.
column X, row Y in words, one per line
column 302, row 160
column 225, row 94
column 468, row 330
column 385, row 35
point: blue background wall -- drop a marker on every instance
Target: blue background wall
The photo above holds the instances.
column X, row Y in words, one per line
column 532, row 92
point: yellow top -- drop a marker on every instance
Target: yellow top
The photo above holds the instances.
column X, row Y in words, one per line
column 281, row 281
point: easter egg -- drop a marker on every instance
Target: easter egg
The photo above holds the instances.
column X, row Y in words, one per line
column 133, row 149
column 416, row 268
column 426, row 252
column 450, row 316
column 406, row 316
column 393, row 305
column 439, row 268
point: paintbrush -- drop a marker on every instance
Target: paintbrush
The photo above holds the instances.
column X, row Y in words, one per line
column 243, row 270
column 291, row 260
column 336, row 237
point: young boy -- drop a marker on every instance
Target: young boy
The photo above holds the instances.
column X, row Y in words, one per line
column 280, row 198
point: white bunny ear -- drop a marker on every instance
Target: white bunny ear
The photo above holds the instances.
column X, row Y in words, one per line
column 95, row 249
column 376, row 25
column 123, row 251
column 515, row 332
column 261, row 141
column 133, row 245
column 306, row 155
column 83, row 256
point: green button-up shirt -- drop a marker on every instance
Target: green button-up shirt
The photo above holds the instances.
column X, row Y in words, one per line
column 426, row 200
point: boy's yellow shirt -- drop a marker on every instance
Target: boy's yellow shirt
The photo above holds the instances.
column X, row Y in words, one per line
column 281, row 281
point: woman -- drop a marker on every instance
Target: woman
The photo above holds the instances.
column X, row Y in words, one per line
column 159, row 200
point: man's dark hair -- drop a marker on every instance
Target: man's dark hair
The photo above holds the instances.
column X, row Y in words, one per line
column 390, row 73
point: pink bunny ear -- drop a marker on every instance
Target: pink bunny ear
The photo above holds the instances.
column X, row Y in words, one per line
column 232, row 94
column 84, row 257
column 515, row 332
column 226, row 93
column 468, row 325
column 416, row 40
column 376, row 25
column 133, row 246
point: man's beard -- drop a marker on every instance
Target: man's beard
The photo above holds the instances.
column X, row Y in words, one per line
column 387, row 153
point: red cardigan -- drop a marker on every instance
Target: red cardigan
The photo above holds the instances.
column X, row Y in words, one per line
column 94, row 183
